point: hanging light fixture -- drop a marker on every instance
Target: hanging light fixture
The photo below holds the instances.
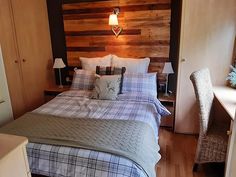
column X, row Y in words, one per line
column 113, row 22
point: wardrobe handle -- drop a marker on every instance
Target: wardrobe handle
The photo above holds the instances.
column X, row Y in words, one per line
column 229, row 132
column 24, row 60
column 15, row 61
column 183, row 60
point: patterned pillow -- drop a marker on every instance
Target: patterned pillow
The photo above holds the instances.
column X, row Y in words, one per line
column 107, row 87
column 83, row 80
column 108, row 70
column 140, row 82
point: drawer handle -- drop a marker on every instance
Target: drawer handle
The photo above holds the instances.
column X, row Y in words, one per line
column 229, row 132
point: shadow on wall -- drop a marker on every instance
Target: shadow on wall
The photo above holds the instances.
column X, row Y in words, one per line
column 234, row 54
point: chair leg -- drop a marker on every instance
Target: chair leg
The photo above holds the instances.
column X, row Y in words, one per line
column 195, row 167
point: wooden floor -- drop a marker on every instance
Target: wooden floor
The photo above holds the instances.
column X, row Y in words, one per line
column 178, row 152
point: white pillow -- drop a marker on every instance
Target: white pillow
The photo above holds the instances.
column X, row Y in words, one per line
column 91, row 63
column 132, row 65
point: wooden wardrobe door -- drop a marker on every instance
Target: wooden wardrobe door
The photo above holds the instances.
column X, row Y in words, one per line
column 33, row 38
column 10, row 57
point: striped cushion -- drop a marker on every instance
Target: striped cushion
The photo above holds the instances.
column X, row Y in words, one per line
column 101, row 70
column 83, row 80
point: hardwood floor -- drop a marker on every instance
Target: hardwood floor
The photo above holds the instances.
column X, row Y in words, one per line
column 178, row 153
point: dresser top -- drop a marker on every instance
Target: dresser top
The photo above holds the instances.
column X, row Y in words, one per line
column 10, row 142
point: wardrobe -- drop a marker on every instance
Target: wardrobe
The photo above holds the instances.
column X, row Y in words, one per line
column 26, row 50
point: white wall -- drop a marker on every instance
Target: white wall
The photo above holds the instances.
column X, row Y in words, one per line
column 5, row 107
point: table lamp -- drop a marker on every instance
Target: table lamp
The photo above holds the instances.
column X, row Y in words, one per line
column 167, row 70
column 58, row 64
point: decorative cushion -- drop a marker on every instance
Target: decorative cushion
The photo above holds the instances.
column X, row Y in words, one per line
column 139, row 82
column 83, row 80
column 107, row 87
column 132, row 65
column 91, row 63
column 108, row 70
column 100, row 70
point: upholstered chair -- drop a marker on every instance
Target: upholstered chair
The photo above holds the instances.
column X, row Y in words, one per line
column 212, row 141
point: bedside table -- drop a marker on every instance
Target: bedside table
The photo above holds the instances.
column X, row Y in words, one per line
column 169, row 103
column 53, row 91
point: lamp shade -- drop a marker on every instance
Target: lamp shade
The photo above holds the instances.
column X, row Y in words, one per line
column 167, row 68
column 113, row 20
column 58, row 63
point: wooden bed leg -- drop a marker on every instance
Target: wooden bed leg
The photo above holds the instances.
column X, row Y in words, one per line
column 195, row 167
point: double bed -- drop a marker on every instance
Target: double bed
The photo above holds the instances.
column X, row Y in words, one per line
column 54, row 160
column 75, row 135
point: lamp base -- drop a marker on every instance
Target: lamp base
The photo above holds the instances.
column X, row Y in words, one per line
column 60, row 86
column 166, row 94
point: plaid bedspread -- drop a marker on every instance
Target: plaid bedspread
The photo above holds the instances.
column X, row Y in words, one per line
column 61, row 161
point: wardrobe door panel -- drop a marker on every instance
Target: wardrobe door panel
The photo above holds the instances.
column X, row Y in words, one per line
column 33, row 38
column 10, row 57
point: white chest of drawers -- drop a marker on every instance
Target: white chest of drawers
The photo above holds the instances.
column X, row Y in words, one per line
column 13, row 158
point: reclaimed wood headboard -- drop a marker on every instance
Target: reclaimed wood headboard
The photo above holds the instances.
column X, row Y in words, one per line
column 146, row 30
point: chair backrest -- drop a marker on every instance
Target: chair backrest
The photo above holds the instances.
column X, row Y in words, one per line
column 204, row 93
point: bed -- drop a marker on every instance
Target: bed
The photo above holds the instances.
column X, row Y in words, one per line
column 59, row 160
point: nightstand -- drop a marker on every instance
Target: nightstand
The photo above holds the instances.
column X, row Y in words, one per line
column 169, row 103
column 53, row 91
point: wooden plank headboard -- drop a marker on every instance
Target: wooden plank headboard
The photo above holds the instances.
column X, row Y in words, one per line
column 146, row 30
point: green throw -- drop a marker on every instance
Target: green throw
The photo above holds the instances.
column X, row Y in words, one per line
column 134, row 140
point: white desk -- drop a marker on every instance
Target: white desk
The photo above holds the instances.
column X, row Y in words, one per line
column 227, row 98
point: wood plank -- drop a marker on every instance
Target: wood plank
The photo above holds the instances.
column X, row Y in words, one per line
column 112, row 3
column 71, row 49
column 103, row 25
column 97, row 41
column 124, row 51
column 85, row 16
column 102, row 32
column 128, row 8
column 79, row 1
column 137, row 51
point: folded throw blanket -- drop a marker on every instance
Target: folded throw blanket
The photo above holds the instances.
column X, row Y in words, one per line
column 131, row 139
